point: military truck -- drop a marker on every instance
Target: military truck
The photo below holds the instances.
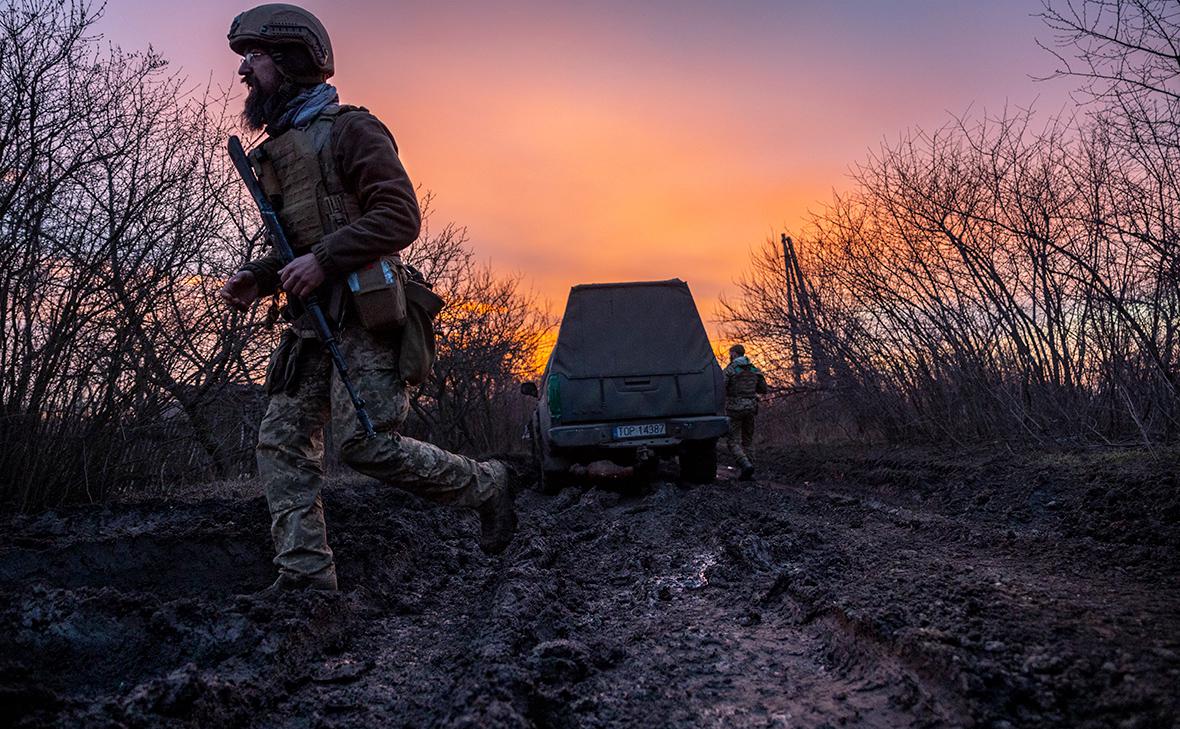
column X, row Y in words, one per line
column 632, row 379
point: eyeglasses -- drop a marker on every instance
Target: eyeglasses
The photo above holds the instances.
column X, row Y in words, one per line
column 249, row 57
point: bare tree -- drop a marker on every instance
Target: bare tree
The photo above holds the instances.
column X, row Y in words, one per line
column 992, row 279
column 489, row 336
column 116, row 218
column 1127, row 55
column 975, row 285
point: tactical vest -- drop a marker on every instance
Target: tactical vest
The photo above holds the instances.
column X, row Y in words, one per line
column 744, row 383
column 298, row 173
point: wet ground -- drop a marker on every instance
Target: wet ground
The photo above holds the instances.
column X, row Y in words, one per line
column 876, row 589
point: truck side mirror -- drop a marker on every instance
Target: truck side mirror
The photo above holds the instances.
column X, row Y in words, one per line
column 529, row 388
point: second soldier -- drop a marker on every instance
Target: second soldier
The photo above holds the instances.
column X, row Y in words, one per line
column 743, row 384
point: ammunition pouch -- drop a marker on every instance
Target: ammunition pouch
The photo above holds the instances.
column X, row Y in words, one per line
column 417, row 351
column 415, row 338
column 379, row 296
column 282, row 371
column 298, row 173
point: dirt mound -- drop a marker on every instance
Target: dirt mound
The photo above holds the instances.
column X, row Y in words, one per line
column 801, row 600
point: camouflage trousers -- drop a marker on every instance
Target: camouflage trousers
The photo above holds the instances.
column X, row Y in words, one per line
column 740, row 439
column 291, row 447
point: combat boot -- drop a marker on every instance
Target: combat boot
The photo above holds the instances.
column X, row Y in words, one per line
column 288, row 582
column 747, row 473
column 497, row 515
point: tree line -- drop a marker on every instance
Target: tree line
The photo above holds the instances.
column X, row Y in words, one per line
column 120, row 217
column 999, row 278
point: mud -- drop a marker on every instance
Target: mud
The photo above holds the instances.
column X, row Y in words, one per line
column 887, row 589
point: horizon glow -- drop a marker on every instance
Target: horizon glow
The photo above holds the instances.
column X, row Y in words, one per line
column 617, row 141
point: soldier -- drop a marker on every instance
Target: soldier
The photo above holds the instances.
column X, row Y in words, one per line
column 345, row 202
column 743, row 384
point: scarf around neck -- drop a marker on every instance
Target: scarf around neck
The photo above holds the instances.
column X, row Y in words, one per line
column 305, row 107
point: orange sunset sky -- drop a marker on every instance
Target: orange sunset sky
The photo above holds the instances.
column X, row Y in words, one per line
column 602, row 141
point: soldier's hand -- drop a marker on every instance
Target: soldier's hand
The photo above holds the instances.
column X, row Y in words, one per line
column 240, row 291
column 302, row 276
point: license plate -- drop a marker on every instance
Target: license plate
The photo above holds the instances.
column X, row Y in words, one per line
column 647, row 430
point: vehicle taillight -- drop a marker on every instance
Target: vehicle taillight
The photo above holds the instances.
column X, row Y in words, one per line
column 553, row 396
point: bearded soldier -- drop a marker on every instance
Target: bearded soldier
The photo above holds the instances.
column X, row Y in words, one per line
column 333, row 174
column 743, row 384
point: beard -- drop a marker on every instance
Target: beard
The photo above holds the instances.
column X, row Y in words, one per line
column 263, row 107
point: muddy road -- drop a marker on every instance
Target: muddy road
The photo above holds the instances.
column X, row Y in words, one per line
column 887, row 589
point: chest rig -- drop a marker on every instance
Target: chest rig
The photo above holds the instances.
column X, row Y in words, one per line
column 744, row 383
column 298, row 173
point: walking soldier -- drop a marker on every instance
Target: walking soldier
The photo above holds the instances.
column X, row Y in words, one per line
column 743, row 384
column 347, row 207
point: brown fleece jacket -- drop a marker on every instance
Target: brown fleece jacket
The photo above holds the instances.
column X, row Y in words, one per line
column 366, row 157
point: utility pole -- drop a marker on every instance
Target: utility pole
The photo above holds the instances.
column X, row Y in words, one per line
column 792, row 316
column 799, row 298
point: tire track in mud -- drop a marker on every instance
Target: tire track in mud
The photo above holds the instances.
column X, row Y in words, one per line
column 769, row 604
column 1023, row 625
column 602, row 621
column 598, row 616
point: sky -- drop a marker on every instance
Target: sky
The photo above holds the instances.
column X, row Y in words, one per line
column 643, row 139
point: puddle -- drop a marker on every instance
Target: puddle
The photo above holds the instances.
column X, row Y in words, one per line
column 694, row 576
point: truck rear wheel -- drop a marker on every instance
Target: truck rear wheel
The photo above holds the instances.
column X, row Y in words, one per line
column 698, row 461
column 552, row 482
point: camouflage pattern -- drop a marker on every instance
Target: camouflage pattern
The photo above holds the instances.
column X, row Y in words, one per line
column 291, row 448
column 741, row 405
column 740, row 439
column 743, row 383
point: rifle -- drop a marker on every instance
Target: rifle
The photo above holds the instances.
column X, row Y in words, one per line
column 311, row 304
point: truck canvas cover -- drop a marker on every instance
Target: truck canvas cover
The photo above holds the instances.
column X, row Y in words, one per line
column 633, row 351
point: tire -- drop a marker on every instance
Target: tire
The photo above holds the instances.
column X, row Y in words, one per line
column 698, row 461
column 548, row 482
column 648, row 471
column 552, row 482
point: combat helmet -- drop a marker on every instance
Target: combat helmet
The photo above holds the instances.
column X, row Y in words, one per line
column 280, row 24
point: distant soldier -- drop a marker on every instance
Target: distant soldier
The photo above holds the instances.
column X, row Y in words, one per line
column 345, row 202
column 743, row 384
